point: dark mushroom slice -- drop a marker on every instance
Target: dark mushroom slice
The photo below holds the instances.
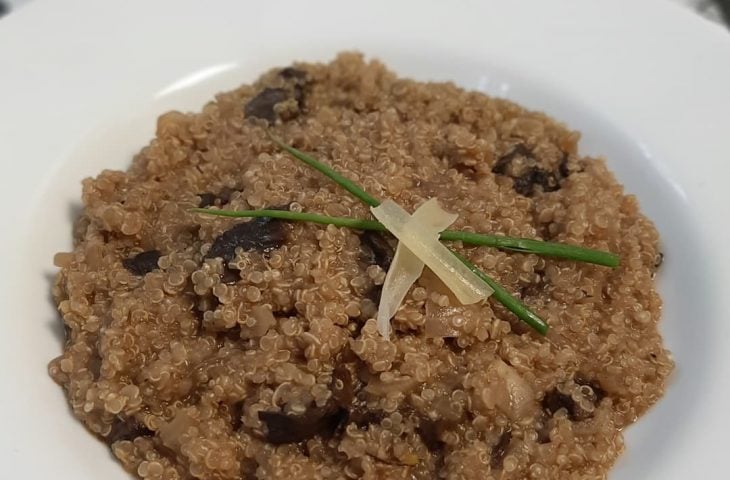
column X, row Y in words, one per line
column 598, row 392
column 230, row 276
column 204, row 303
column 292, row 73
column 363, row 417
column 374, row 294
column 499, row 450
column 359, row 412
column 236, row 412
column 503, row 164
column 142, row 263
column 563, row 170
column 259, row 234
column 299, row 80
column 543, row 431
column 525, row 184
column 299, row 94
column 430, row 433
column 530, row 175
column 554, row 400
column 342, row 386
column 233, row 336
column 248, row 469
column 286, row 312
column 225, row 195
column 95, row 365
column 127, row 429
column 207, row 199
column 262, row 105
column 282, row 428
column 375, row 250
column 452, row 343
column 348, row 394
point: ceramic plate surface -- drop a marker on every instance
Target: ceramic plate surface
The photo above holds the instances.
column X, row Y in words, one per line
column 647, row 83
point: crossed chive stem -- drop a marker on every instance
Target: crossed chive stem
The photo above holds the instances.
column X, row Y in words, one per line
column 522, row 245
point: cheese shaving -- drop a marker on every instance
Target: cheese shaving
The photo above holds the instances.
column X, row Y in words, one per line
column 406, row 267
column 419, row 245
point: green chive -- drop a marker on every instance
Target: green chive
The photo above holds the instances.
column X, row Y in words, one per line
column 538, row 247
column 344, row 182
column 355, row 223
column 522, row 245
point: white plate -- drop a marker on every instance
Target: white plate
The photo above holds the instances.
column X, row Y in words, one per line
column 648, row 84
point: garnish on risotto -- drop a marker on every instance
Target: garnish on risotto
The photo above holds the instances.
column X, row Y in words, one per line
column 406, row 271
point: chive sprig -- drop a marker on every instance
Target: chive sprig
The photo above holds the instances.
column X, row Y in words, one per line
column 513, row 244
column 523, row 245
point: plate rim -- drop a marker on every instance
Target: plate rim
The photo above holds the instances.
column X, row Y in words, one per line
column 700, row 192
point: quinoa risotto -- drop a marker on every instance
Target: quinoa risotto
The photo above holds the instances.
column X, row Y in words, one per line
column 202, row 347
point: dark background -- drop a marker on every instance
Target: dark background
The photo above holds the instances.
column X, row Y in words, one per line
column 722, row 5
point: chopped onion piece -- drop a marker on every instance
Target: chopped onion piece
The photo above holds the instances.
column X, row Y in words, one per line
column 407, row 267
column 424, row 243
